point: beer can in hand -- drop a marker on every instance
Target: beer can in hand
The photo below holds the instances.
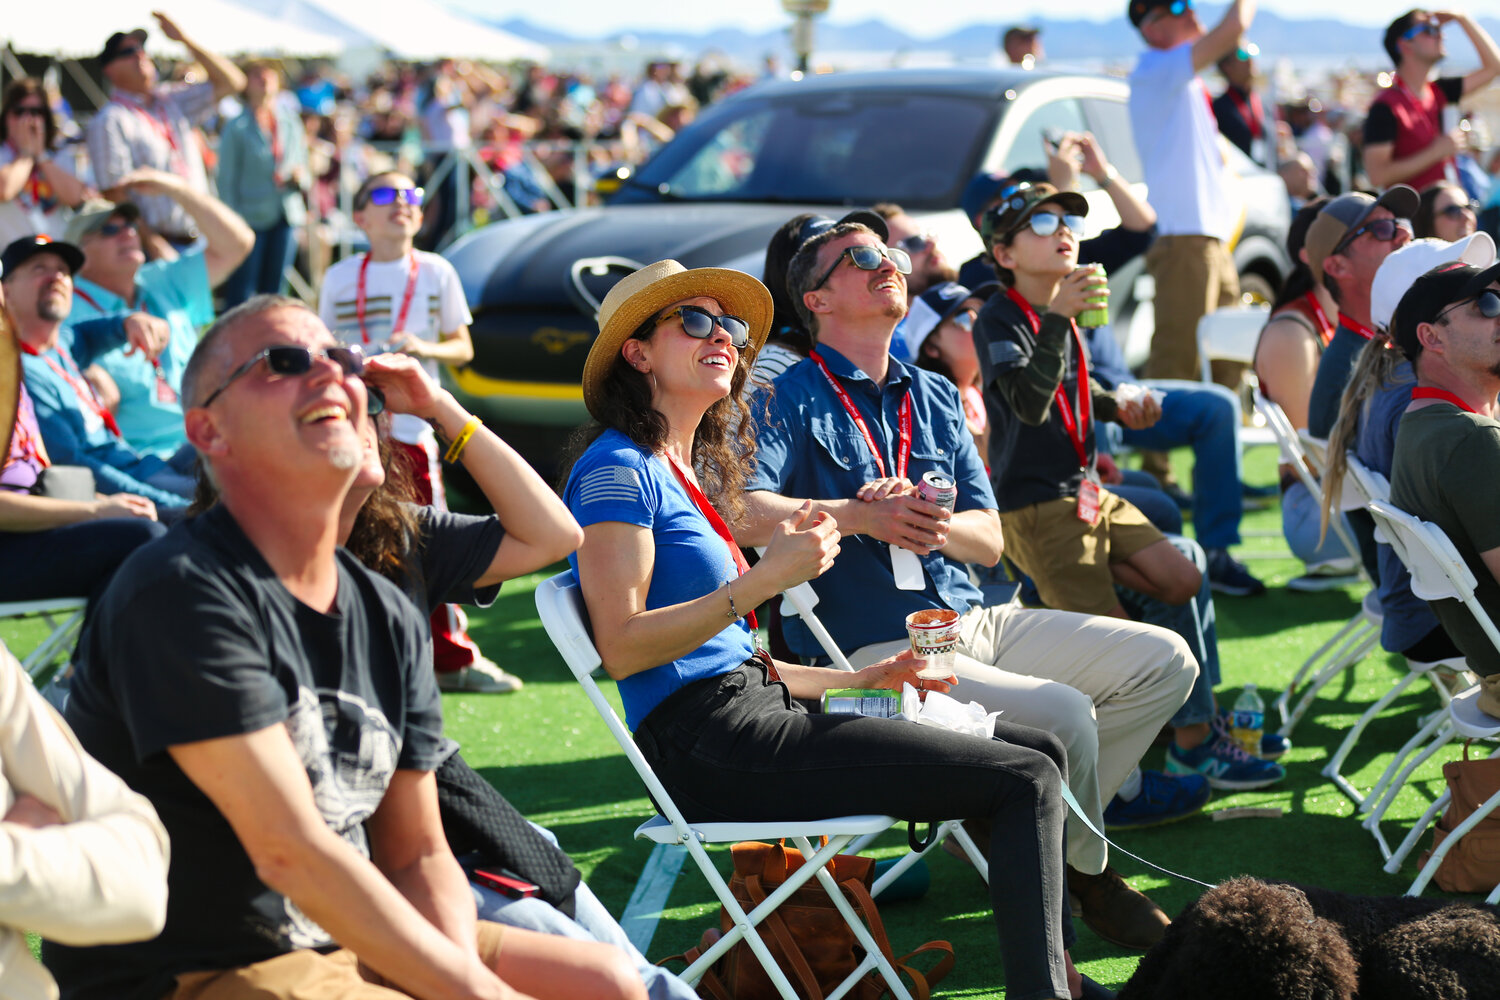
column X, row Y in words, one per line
column 939, row 489
column 1097, row 314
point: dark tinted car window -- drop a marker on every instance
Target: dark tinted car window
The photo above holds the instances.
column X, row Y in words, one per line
column 917, row 150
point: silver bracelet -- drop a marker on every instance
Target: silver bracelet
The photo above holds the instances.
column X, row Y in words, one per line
column 732, row 614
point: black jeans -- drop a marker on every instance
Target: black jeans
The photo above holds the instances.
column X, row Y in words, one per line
column 76, row 560
column 736, row 748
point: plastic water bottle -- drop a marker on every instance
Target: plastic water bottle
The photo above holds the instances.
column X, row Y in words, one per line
column 1248, row 722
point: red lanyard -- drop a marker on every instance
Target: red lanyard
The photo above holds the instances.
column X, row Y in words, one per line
column 903, row 421
column 1353, row 327
column 1325, row 328
column 275, row 131
column 716, row 522
column 162, row 128
column 359, row 298
column 1077, row 427
column 1427, row 392
column 80, row 385
column 1250, row 111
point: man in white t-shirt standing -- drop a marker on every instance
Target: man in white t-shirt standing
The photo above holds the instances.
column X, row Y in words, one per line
column 398, row 298
column 1188, row 182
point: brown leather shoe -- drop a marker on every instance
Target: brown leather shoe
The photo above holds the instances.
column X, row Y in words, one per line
column 1114, row 911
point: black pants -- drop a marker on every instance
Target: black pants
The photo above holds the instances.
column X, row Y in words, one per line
column 77, row 560
column 736, row 748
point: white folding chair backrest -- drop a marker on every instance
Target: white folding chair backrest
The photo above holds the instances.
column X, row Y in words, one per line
column 1230, row 334
column 1288, row 442
column 1437, row 570
column 798, row 602
column 1361, row 485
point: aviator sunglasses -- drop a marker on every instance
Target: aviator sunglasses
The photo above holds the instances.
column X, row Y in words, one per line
column 1046, row 223
column 1487, row 302
column 867, row 258
column 699, row 324
column 289, row 360
column 383, row 196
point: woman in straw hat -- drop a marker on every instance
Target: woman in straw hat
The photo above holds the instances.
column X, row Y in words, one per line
column 668, row 593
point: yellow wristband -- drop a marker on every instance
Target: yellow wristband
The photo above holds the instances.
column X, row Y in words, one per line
column 456, row 448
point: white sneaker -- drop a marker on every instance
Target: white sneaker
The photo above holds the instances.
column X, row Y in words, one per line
column 1328, row 575
column 483, row 676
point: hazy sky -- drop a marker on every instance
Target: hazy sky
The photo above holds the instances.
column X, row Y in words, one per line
column 601, row 17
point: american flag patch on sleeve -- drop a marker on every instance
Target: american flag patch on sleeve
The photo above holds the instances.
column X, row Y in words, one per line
column 616, row 484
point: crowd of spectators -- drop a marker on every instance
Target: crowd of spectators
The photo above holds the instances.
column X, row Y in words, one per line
column 277, row 805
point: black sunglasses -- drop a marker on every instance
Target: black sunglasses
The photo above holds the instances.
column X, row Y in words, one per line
column 867, row 258
column 1458, row 209
column 699, row 324
column 1383, row 230
column 915, row 243
column 125, row 52
column 110, row 229
column 27, row 110
column 1487, row 301
column 295, row 361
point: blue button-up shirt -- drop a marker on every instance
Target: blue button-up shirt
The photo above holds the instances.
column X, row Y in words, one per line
column 809, row 447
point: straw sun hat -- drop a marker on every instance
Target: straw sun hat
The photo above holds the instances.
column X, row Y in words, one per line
column 643, row 294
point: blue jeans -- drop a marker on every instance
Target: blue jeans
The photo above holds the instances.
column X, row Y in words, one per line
column 1205, row 418
column 1194, row 621
column 1301, row 522
column 590, row 922
column 264, row 270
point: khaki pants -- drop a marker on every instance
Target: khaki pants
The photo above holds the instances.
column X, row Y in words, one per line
column 309, row 975
column 1194, row 276
column 1103, row 686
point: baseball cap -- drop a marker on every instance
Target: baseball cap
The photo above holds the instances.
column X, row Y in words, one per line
column 1348, row 212
column 1433, row 292
column 94, row 213
column 27, row 247
column 1021, row 202
column 1403, row 267
column 117, row 42
column 929, row 311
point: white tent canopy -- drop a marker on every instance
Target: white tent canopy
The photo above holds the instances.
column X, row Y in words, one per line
column 80, row 28
column 411, row 29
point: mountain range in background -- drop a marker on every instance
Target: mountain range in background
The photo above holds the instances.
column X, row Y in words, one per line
column 1066, row 40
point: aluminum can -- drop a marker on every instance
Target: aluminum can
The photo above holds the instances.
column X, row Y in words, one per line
column 939, row 489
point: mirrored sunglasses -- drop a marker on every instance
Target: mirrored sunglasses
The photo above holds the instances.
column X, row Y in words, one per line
column 383, row 196
column 1487, row 302
column 1046, row 223
column 1425, row 28
column 376, row 401
column 699, row 324
column 288, row 360
column 867, row 258
column 963, row 320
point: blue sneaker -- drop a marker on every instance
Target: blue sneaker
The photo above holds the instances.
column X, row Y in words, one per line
column 1162, row 799
column 1272, row 745
column 1224, row 764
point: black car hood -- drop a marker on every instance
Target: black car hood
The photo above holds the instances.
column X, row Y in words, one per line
column 534, row 271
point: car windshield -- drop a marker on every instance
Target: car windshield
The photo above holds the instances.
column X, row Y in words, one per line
column 917, row 150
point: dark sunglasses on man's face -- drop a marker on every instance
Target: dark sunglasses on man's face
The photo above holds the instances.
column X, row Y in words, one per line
column 867, row 258
column 1425, row 28
column 28, row 111
column 1046, row 223
column 916, row 243
column 126, row 52
column 288, row 360
column 376, row 402
column 112, row 229
column 699, row 324
column 1175, row 9
column 1382, row 230
column 1488, row 304
column 383, row 196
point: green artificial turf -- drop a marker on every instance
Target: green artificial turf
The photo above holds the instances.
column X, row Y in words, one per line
column 546, row 749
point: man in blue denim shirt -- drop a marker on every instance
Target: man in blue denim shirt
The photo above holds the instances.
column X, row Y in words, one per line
column 76, row 427
column 1049, row 669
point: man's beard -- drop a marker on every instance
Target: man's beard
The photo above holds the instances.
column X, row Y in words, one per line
column 51, row 309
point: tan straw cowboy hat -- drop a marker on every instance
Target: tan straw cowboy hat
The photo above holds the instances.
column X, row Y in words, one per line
column 647, row 292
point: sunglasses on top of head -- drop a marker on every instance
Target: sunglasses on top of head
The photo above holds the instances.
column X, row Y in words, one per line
column 1382, row 230
column 289, row 360
column 699, row 324
column 1424, row 28
column 383, row 196
column 1488, row 303
column 867, row 258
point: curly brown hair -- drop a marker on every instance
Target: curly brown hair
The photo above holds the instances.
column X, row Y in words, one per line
column 723, row 443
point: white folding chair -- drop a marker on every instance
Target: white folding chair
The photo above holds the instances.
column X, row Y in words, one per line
column 1438, row 573
column 1356, row 637
column 1230, row 334
column 559, row 602
column 1361, row 485
column 63, row 618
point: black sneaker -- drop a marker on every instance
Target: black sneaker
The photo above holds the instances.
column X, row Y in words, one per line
column 1228, row 576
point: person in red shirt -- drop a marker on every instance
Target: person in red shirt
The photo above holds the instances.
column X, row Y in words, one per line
column 1406, row 139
